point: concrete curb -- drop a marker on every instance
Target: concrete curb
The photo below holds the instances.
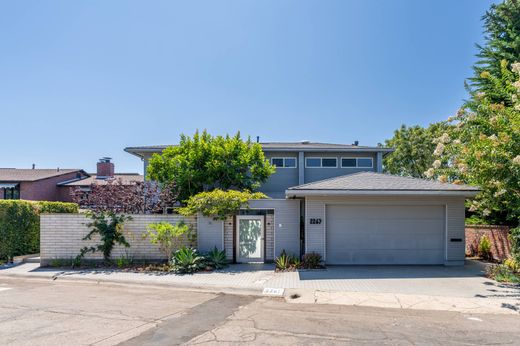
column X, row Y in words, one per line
column 404, row 301
column 176, row 286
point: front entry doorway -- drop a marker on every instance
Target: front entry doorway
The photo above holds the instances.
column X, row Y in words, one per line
column 250, row 238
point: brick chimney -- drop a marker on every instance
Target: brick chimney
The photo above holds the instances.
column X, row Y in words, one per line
column 105, row 168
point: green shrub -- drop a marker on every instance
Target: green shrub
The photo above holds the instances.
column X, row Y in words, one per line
column 512, row 264
column 57, row 207
column 484, row 248
column 20, row 225
column 109, row 226
column 186, row 261
column 514, row 237
column 19, row 229
column 218, row 203
column 502, row 273
column 216, row 258
column 169, row 237
column 124, row 261
column 312, row 260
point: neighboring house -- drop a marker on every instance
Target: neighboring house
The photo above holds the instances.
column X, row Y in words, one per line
column 57, row 184
column 35, row 184
column 105, row 173
column 333, row 199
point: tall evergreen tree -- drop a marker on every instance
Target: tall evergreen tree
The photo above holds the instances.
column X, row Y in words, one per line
column 502, row 43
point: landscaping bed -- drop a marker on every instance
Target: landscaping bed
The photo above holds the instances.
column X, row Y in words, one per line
column 186, row 260
column 290, row 263
column 508, row 271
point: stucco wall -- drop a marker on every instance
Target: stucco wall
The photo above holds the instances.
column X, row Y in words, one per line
column 61, row 236
column 316, row 208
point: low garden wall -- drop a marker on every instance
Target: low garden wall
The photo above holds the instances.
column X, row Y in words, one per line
column 61, row 237
column 498, row 236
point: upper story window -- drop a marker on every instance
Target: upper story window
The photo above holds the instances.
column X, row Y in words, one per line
column 357, row 162
column 321, row 162
column 284, row 162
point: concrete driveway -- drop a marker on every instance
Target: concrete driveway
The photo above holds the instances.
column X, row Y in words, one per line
column 465, row 281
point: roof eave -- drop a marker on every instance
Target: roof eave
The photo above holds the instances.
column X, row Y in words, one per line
column 358, row 150
column 304, row 193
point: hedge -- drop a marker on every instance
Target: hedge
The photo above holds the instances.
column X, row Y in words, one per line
column 57, row 208
column 20, row 225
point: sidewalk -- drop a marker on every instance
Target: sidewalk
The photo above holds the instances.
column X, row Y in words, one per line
column 422, row 288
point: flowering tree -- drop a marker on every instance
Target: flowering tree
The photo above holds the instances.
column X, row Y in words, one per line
column 483, row 148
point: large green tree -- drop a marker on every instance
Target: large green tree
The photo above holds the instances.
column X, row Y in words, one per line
column 204, row 163
column 483, row 147
column 414, row 148
column 502, row 43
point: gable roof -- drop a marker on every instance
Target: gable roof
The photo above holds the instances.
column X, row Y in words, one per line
column 21, row 174
column 379, row 183
column 125, row 178
column 277, row 146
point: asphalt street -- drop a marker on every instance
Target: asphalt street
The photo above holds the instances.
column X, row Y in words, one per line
column 46, row 312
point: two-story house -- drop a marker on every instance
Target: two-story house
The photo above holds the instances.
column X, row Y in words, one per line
column 333, row 199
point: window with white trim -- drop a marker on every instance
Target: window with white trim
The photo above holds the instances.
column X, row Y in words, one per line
column 284, row 162
column 321, row 162
column 357, row 162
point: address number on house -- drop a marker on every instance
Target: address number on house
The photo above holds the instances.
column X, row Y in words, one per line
column 315, row 221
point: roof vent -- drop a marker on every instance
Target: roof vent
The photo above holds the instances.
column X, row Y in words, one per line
column 305, row 141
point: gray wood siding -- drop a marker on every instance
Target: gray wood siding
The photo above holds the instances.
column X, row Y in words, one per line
column 210, row 233
column 283, row 178
column 315, row 235
column 316, row 174
column 286, row 223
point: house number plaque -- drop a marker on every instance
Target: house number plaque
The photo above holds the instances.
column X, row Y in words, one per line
column 315, row 221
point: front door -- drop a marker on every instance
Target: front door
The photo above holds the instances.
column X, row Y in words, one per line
column 250, row 238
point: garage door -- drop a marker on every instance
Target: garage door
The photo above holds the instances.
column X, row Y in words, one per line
column 385, row 234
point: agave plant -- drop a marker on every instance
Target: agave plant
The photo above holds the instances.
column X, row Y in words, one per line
column 282, row 262
column 216, row 258
column 186, row 260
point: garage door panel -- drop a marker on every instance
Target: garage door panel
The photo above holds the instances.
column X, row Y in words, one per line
column 390, row 211
column 377, row 257
column 385, row 234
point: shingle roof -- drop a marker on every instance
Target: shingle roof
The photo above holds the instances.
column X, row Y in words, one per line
column 18, row 175
column 125, row 178
column 371, row 181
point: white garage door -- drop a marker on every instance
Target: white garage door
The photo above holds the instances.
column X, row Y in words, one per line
column 385, row 234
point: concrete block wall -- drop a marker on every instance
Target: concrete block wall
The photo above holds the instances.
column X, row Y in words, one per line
column 61, row 237
column 228, row 237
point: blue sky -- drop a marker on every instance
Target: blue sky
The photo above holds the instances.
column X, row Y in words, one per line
column 82, row 80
